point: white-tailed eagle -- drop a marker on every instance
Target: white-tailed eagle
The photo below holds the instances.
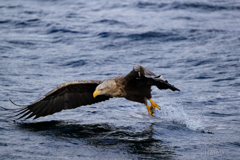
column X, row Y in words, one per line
column 135, row 86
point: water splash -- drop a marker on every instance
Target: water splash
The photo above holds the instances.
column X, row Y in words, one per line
column 175, row 112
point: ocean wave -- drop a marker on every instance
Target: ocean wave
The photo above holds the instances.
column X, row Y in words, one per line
column 191, row 6
column 110, row 22
column 166, row 35
column 75, row 63
column 61, row 30
column 202, row 6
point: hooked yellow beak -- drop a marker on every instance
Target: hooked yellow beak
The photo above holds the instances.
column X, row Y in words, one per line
column 95, row 93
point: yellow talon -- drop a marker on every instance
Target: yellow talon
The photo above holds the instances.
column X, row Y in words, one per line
column 149, row 110
column 152, row 107
column 153, row 104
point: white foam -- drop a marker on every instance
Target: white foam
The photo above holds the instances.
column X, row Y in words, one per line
column 175, row 113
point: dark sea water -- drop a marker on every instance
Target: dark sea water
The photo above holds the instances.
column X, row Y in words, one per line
column 194, row 44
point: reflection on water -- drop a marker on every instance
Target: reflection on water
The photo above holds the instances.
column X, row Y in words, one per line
column 129, row 139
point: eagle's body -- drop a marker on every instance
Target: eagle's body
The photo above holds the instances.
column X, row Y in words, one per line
column 135, row 86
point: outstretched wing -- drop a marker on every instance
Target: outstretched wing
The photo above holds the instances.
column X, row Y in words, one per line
column 140, row 72
column 68, row 95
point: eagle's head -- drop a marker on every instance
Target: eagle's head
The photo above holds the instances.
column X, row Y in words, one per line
column 107, row 88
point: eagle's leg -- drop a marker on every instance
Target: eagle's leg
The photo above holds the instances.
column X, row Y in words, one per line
column 149, row 108
column 153, row 104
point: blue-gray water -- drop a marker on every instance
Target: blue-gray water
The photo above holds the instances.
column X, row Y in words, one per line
column 194, row 44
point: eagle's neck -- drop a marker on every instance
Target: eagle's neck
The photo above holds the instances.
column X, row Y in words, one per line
column 117, row 87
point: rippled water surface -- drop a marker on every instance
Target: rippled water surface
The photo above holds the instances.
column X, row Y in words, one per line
column 194, row 44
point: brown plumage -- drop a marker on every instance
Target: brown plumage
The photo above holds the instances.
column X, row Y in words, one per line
column 135, row 86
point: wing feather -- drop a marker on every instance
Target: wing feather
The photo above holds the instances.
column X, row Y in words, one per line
column 44, row 108
column 49, row 107
column 84, row 102
column 68, row 95
column 26, row 113
column 21, row 111
column 78, row 98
